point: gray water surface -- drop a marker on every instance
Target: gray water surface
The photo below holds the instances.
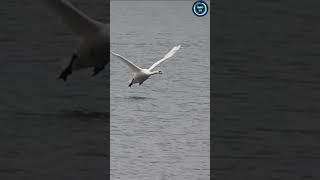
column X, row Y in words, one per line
column 160, row 130
column 266, row 90
column 49, row 129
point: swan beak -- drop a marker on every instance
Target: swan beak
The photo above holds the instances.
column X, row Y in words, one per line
column 160, row 72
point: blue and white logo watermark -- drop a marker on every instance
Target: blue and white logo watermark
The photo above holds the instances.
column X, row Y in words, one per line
column 200, row 8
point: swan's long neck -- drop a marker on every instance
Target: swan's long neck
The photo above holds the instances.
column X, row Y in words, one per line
column 154, row 72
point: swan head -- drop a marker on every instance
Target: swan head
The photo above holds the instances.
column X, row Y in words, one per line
column 155, row 72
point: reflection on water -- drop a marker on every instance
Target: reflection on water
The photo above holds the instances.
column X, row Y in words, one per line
column 84, row 114
column 139, row 97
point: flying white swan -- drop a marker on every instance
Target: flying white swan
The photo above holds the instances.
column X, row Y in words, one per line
column 140, row 75
column 93, row 50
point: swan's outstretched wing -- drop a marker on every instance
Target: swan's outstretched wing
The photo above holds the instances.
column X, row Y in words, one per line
column 132, row 66
column 79, row 23
column 168, row 55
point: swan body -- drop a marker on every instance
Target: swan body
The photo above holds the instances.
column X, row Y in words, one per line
column 140, row 75
column 94, row 39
